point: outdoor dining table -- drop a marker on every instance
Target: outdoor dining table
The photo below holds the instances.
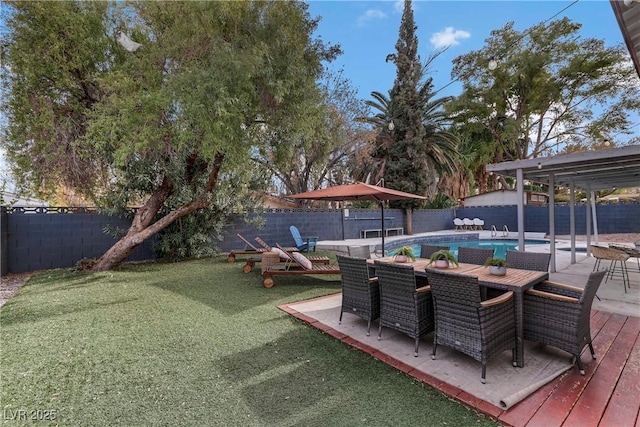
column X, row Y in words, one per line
column 515, row 280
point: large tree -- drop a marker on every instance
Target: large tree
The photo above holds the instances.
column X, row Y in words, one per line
column 417, row 148
column 551, row 91
column 168, row 127
column 319, row 157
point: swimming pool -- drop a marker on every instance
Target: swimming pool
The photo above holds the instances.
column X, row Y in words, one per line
column 500, row 246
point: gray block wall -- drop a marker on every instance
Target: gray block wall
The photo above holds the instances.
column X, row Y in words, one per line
column 42, row 239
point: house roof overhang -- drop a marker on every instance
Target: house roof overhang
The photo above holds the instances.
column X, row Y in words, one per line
column 594, row 170
column 628, row 18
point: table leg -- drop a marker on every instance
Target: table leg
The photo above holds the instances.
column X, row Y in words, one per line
column 519, row 329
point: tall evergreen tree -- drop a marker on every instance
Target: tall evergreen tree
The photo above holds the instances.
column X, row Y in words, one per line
column 420, row 148
column 167, row 126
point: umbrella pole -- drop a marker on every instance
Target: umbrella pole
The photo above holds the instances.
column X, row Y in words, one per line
column 382, row 228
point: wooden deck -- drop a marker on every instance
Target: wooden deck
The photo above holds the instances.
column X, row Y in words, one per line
column 609, row 393
column 607, row 396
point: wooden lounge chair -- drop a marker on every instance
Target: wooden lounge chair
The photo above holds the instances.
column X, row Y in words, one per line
column 249, row 249
column 297, row 265
column 268, row 247
column 252, row 261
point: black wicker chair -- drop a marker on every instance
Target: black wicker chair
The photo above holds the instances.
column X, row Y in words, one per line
column 536, row 261
column 480, row 329
column 427, row 250
column 474, row 255
column 359, row 251
column 402, row 306
column 360, row 294
column 559, row 315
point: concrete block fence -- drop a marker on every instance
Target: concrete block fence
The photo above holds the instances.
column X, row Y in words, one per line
column 46, row 238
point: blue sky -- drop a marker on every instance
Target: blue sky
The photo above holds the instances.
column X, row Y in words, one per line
column 368, row 30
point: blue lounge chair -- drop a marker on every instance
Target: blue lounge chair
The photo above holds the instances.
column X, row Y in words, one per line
column 303, row 244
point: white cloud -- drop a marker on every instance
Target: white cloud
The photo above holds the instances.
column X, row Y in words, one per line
column 370, row 15
column 448, row 37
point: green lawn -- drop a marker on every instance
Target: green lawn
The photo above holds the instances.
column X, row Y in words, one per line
column 194, row 343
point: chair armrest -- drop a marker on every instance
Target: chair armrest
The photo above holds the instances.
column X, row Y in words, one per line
column 424, row 289
column 559, row 288
column 497, row 300
column 549, row 295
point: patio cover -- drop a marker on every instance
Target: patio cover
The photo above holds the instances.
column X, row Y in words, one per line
column 628, row 17
column 358, row 191
column 590, row 170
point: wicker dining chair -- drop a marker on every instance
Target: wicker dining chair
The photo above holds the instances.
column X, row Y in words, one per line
column 359, row 251
column 474, row 255
column 360, row 293
column 427, row 250
column 536, row 261
column 402, row 306
column 480, row 329
column 559, row 315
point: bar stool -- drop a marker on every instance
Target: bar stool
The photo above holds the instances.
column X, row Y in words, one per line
column 618, row 263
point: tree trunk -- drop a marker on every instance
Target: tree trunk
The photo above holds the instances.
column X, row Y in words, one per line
column 409, row 216
column 136, row 236
column 142, row 226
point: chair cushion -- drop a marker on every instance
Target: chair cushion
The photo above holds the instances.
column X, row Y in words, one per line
column 281, row 253
column 302, row 260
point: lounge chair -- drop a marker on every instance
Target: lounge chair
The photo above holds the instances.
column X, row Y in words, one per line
column 297, row 265
column 252, row 261
column 303, row 244
column 249, row 249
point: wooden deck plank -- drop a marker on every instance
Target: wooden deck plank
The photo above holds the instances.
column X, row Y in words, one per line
column 592, row 403
column 555, row 409
column 571, row 399
column 624, row 406
column 520, row 414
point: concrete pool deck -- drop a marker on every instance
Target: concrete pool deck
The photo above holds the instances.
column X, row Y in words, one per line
column 613, row 298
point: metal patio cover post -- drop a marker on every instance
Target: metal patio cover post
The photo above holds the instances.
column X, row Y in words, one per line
column 358, row 191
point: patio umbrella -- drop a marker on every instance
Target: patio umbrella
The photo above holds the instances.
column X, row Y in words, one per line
column 358, row 191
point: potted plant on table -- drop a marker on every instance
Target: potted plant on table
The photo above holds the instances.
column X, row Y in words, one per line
column 404, row 254
column 497, row 266
column 442, row 259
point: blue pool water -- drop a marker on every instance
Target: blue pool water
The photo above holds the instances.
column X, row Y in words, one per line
column 500, row 246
